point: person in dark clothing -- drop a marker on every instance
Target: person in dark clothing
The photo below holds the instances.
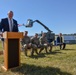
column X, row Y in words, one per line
column 60, row 41
column 8, row 25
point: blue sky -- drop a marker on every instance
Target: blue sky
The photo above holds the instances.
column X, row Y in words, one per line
column 57, row 15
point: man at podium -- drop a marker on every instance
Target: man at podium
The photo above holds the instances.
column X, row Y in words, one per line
column 9, row 24
column 11, row 42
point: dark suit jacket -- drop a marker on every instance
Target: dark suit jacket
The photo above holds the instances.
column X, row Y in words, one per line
column 4, row 26
column 59, row 40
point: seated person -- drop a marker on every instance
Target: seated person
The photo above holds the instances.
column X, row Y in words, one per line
column 35, row 44
column 44, row 43
column 26, row 42
column 60, row 41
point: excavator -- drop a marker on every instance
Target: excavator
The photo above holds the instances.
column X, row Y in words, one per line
column 50, row 36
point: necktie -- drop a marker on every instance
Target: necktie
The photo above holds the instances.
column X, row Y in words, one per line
column 10, row 25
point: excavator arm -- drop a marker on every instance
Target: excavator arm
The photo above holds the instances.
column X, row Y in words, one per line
column 43, row 25
column 50, row 36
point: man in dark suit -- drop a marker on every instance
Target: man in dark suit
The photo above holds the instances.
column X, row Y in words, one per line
column 60, row 41
column 9, row 24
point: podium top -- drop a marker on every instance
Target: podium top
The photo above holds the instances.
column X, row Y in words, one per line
column 13, row 35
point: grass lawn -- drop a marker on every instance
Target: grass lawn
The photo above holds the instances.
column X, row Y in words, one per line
column 59, row 62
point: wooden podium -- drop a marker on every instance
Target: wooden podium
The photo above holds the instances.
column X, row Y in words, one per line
column 11, row 49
